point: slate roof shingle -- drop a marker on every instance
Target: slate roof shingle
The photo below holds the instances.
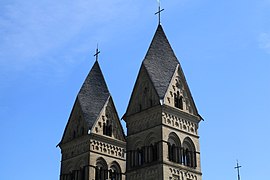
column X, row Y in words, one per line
column 160, row 62
column 93, row 95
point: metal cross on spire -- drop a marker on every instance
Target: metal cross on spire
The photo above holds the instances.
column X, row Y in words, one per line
column 238, row 169
column 159, row 11
column 97, row 52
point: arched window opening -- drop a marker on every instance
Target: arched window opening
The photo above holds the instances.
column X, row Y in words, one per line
column 174, row 153
column 143, row 155
column 189, row 154
column 115, row 172
column 101, row 170
column 178, row 100
column 174, row 148
column 101, row 173
column 107, row 128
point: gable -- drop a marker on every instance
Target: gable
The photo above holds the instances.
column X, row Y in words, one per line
column 108, row 123
column 143, row 95
column 76, row 126
column 91, row 100
column 178, row 88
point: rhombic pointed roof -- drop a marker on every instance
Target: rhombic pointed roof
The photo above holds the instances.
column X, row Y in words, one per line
column 160, row 62
column 93, row 95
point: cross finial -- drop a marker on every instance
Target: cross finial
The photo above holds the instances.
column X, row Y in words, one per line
column 238, row 169
column 97, row 52
column 159, row 11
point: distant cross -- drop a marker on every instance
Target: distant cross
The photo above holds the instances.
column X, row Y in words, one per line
column 238, row 170
column 97, row 52
column 159, row 12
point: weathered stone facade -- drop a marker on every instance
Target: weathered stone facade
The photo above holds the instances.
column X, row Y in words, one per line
column 162, row 140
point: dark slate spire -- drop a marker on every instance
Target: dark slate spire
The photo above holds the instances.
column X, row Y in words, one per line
column 93, row 95
column 160, row 62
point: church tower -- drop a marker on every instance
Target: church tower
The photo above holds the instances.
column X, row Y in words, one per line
column 93, row 144
column 162, row 119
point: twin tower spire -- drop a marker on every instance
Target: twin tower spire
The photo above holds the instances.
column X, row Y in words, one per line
column 162, row 121
column 94, row 91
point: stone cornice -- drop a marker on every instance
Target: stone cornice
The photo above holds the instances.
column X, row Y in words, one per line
column 177, row 112
column 107, row 139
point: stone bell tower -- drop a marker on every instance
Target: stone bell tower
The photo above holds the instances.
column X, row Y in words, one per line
column 93, row 144
column 162, row 119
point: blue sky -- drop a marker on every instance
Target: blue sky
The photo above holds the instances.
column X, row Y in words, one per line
column 46, row 51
